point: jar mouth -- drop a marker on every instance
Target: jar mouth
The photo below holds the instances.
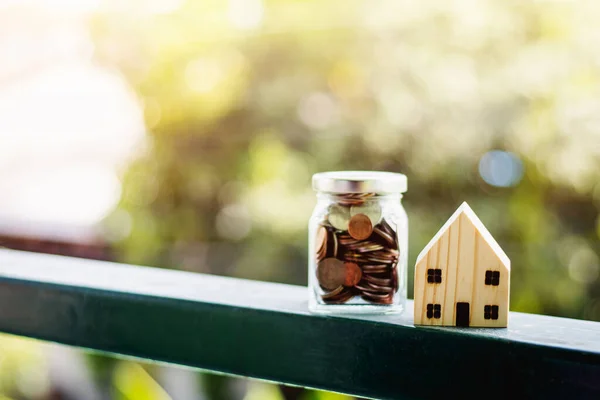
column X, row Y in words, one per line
column 340, row 182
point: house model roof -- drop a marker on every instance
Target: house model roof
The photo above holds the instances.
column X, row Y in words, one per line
column 487, row 236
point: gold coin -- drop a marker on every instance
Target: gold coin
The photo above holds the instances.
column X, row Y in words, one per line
column 371, row 210
column 360, row 227
column 339, row 217
column 331, row 273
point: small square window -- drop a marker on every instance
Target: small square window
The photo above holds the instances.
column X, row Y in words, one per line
column 434, row 311
column 492, row 278
column 490, row 312
column 434, row 275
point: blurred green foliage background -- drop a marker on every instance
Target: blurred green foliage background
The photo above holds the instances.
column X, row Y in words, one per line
column 244, row 101
column 491, row 102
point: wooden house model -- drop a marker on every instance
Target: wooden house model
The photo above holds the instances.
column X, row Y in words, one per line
column 462, row 277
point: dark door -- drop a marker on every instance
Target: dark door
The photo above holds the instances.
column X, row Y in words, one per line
column 462, row 314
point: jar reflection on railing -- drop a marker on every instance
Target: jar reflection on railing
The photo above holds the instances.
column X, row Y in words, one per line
column 358, row 243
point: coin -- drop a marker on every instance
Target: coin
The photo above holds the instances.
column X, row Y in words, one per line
column 339, row 216
column 367, row 247
column 351, row 199
column 346, row 239
column 379, row 288
column 386, row 227
column 360, row 227
column 395, row 279
column 321, row 254
column 353, row 274
column 352, row 257
column 375, row 268
column 332, row 250
column 321, row 237
column 340, row 297
column 357, row 252
column 331, row 273
column 371, row 210
column 321, row 242
column 378, row 298
column 351, row 202
column 366, row 287
column 379, row 260
column 388, row 239
column 333, row 293
column 378, row 281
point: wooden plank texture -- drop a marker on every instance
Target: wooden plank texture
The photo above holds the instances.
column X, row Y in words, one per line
column 263, row 330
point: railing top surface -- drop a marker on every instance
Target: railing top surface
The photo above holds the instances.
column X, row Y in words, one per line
column 527, row 328
column 70, row 301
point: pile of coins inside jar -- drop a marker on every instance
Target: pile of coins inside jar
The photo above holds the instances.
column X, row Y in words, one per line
column 356, row 252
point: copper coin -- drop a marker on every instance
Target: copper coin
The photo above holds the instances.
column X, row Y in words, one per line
column 378, row 288
column 366, row 287
column 378, row 281
column 386, row 253
column 379, row 299
column 395, row 279
column 385, row 226
column 369, row 247
column 375, row 268
column 387, row 238
column 353, row 255
column 331, row 273
column 321, row 240
column 351, row 202
column 321, row 254
column 333, row 248
column 378, row 295
column 321, row 243
column 371, row 210
column 339, row 298
column 348, row 242
column 353, row 274
column 353, row 199
column 333, row 293
column 380, row 260
column 360, row 227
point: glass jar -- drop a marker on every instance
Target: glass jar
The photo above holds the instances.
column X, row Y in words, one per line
column 358, row 243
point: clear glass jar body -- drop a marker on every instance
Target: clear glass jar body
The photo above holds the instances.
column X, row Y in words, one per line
column 358, row 254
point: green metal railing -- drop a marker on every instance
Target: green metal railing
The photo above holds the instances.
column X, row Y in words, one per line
column 263, row 330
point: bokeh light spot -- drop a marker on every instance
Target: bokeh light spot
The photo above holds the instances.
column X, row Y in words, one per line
column 117, row 226
column 246, row 14
column 318, row 110
column 584, row 265
column 501, row 168
column 233, row 222
column 203, row 75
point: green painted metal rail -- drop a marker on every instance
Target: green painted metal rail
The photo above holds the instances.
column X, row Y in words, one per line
column 263, row 330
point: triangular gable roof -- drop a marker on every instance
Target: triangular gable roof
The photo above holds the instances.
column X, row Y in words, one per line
column 487, row 236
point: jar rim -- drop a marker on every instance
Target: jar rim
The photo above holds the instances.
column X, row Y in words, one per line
column 359, row 182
